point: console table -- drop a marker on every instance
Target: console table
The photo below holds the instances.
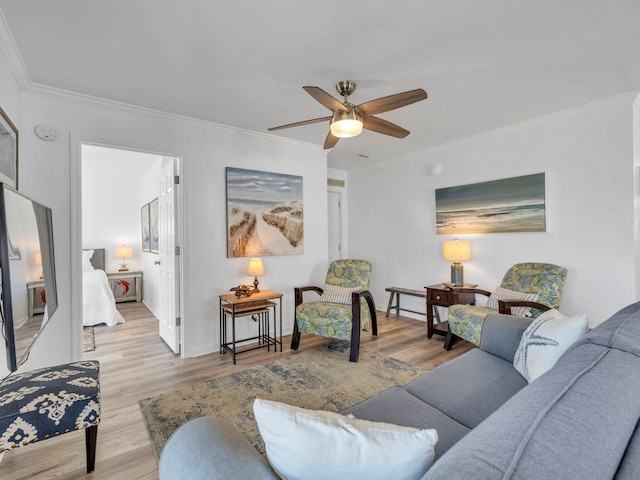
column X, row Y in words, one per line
column 443, row 295
column 258, row 306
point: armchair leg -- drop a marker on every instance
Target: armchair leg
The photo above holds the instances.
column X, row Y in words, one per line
column 295, row 337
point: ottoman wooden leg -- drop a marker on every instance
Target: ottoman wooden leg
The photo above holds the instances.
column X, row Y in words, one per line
column 91, row 439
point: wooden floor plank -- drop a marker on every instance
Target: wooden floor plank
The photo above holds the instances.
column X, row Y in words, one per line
column 136, row 364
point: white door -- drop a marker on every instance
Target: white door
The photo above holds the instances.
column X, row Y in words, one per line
column 169, row 288
column 334, row 200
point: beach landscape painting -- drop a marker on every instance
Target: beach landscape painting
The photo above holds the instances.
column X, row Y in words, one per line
column 264, row 213
column 509, row 205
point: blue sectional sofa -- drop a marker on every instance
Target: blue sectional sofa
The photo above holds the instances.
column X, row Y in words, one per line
column 580, row 420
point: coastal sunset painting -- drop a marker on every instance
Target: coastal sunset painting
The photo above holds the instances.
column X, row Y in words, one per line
column 264, row 213
column 508, row 205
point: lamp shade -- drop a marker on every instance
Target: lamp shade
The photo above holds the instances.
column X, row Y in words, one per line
column 346, row 124
column 456, row 250
column 124, row 252
column 256, row 268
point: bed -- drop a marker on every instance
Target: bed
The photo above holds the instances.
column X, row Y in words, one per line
column 98, row 303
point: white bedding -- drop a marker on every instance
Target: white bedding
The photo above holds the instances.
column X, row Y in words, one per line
column 98, row 303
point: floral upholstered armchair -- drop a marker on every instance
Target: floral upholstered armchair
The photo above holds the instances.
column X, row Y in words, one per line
column 344, row 308
column 527, row 289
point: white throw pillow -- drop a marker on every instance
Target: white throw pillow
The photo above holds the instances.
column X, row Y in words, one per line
column 334, row 294
column 545, row 340
column 505, row 294
column 86, row 260
column 311, row 444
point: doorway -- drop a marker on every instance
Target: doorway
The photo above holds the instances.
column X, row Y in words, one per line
column 116, row 186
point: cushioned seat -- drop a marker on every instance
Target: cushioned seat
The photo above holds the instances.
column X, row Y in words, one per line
column 533, row 287
column 48, row 402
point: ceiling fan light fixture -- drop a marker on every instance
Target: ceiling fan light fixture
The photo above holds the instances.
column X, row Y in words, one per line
column 346, row 124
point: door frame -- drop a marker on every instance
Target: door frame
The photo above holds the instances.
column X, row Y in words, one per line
column 75, row 192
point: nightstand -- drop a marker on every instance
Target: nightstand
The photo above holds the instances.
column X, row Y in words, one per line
column 442, row 295
column 126, row 286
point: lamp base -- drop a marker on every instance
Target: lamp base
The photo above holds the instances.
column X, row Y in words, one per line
column 123, row 268
column 255, row 285
column 457, row 275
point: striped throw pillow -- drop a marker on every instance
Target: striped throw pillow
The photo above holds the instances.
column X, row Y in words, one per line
column 504, row 294
column 334, row 294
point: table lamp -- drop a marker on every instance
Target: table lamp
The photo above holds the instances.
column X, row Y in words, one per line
column 255, row 270
column 124, row 252
column 456, row 251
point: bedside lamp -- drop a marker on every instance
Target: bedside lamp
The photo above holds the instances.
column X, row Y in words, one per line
column 255, row 270
column 38, row 259
column 455, row 251
column 124, row 252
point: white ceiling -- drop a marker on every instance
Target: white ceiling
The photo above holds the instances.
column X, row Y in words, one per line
column 485, row 64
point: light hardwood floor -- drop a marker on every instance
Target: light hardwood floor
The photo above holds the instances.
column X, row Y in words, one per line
column 136, row 364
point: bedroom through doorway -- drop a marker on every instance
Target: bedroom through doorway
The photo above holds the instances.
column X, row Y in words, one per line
column 129, row 205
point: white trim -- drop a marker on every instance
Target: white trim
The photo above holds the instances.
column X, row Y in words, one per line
column 497, row 132
column 10, row 49
column 79, row 98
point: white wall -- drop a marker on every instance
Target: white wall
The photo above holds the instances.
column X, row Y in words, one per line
column 587, row 157
column 111, row 201
column 205, row 151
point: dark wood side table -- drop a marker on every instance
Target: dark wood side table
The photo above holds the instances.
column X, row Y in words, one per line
column 442, row 295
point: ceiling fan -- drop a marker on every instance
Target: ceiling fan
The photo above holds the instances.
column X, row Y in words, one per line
column 348, row 119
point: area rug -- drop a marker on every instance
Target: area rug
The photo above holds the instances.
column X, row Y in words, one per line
column 319, row 379
column 88, row 339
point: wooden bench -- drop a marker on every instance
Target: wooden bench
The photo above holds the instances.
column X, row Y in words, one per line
column 397, row 291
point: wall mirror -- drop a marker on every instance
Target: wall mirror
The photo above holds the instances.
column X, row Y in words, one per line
column 27, row 273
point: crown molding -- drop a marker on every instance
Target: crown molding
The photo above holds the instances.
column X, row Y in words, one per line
column 83, row 99
column 10, row 50
column 632, row 97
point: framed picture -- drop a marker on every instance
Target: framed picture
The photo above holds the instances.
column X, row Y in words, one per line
column 153, row 226
column 8, row 151
column 264, row 213
column 509, row 205
column 146, row 236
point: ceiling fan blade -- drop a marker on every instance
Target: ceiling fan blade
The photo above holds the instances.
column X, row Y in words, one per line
column 298, row 124
column 379, row 125
column 330, row 141
column 325, row 99
column 384, row 104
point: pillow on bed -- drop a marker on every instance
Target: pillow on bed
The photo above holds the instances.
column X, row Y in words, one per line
column 86, row 260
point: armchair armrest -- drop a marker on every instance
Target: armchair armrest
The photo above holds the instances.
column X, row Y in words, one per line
column 504, row 306
column 299, row 291
column 212, row 448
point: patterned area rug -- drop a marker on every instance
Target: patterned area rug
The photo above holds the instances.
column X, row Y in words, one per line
column 88, row 339
column 319, row 379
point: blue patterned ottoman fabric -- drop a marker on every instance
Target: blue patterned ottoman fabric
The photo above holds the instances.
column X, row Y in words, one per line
column 48, row 402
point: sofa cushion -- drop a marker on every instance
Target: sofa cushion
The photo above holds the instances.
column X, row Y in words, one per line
column 399, row 407
column 501, row 335
column 574, row 422
column 621, row 331
column 545, row 340
column 316, row 444
column 468, row 388
column 630, row 465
